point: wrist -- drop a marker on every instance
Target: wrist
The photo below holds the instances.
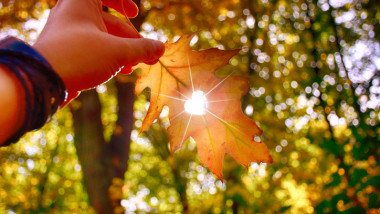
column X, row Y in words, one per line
column 41, row 48
column 46, row 52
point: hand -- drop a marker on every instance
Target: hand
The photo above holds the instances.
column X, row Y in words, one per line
column 87, row 46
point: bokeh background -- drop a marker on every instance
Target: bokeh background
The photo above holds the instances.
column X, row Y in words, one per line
column 313, row 67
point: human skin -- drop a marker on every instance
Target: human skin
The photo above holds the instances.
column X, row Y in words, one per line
column 85, row 46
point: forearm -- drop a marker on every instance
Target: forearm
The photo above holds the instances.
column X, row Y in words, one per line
column 12, row 104
column 77, row 50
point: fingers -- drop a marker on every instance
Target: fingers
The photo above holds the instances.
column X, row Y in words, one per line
column 125, row 7
column 131, row 51
column 144, row 50
column 118, row 28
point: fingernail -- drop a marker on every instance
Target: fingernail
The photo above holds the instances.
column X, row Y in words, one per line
column 159, row 48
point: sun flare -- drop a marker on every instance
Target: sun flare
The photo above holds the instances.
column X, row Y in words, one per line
column 197, row 105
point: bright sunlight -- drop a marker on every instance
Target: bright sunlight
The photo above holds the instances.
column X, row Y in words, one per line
column 197, row 104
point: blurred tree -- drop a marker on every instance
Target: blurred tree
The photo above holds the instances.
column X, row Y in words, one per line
column 105, row 162
column 13, row 13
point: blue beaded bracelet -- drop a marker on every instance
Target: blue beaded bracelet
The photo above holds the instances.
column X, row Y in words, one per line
column 44, row 89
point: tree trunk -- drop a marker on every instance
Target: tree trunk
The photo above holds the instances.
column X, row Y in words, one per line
column 235, row 207
column 181, row 186
column 92, row 149
column 101, row 161
column 324, row 105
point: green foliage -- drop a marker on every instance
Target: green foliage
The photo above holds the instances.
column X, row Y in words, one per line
column 41, row 173
column 314, row 92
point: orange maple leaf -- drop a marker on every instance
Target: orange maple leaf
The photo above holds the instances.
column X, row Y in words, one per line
column 201, row 105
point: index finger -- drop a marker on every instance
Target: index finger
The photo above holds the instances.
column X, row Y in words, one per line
column 125, row 7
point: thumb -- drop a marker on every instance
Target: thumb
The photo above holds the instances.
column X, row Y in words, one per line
column 131, row 51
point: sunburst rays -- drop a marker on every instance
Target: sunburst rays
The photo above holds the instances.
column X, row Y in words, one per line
column 192, row 85
column 207, row 110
